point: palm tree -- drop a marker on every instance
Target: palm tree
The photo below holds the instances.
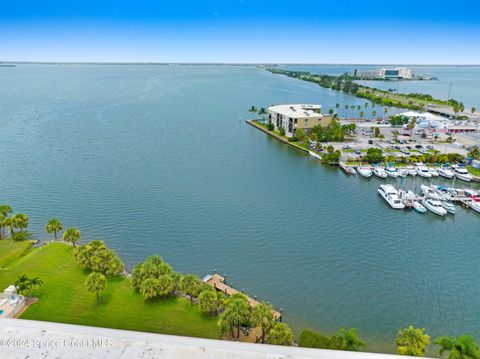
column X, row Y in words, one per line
column 207, row 300
column 71, row 235
column 281, row 334
column 165, row 285
column 5, row 210
column 96, row 283
column 463, row 347
column 236, row 312
column 337, row 105
column 361, row 114
column 149, row 288
column 8, row 224
column 53, row 226
column 366, row 104
column 348, row 340
column 190, row 284
column 474, row 152
column 412, row 341
column 262, row 317
column 20, row 221
column 253, row 110
column 374, row 114
column 262, row 112
column 385, row 111
column 473, row 110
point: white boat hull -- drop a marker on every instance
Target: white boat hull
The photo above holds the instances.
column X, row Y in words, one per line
column 440, row 211
column 463, row 177
column 419, row 208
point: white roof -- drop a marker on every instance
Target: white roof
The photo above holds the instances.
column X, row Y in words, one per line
column 297, row 110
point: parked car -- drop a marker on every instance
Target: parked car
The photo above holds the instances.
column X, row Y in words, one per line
column 405, row 152
column 408, row 147
column 391, row 142
column 430, row 147
column 370, row 142
column 422, row 150
column 357, row 151
column 418, row 146
column 347, row 147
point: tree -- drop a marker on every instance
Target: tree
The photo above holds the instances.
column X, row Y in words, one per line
column 281, row 334
column 395, row 134
column 377, row 132
column 337, row 105
column 474, row 152
column 374, row 114
column 71, row 235
column 96, row 257
column 300, row 134
column 149, row 288
column 412, row 341
column 361, row 114
column 190, row 285
column 473, row 110
column 5, row 210
column 262, row 112
column 96, row 283
column 263, row 318
column 20, row 221
column 463, row 347
column 53, row 226
column 207, row 299
column 374, row 155
column 25, row 284
column 8, row 224
column 253, row 110
column 152, row 268
column 347, row 340
column 236, row 313
column 165, row 285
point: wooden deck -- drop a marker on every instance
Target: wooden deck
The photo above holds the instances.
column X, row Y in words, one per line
column 218, row 282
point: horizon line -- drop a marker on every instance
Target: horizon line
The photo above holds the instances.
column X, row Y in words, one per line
column 220, row 63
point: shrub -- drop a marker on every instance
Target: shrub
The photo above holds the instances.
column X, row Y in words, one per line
column 281, row 131
column 153, row 267
column 270, row 126
column 310, row 339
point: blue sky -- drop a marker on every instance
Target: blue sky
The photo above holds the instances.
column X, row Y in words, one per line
column 239, row 31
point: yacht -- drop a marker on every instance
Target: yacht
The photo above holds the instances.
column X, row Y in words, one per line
column 475, row 206
column 411, row 171
column 402, row 173
column 364, row 171
column 462, row 173
column 433, row 172
column 423, row 171
column 351, row 170
column 417, row 206
column 380, row 172
column 391, row 172
column 434, row 206
column 390, row 194
column 449, row 206
column 429, row 192
column 445, row 172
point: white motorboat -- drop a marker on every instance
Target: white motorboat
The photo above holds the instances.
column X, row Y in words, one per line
column 380, row 172
column 434, row 206
column 433, row 171
column 417, row 206
column 475, row 206
column 445, row 172
column 429, row 192
column 391, row 172
column 402, row 173
column 412, row 171
column 314, row 155
column 462, row 173
column 423, row 171
column 364, row 171
column 449, row 206
column 390, row 194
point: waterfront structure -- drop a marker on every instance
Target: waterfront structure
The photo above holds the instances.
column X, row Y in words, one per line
column 398, row 73
column 426, row 120
column 294, row 117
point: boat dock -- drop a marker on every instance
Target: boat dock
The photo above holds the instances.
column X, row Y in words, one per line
column 219, row 283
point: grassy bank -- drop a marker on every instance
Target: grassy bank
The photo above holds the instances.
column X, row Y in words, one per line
column 64, row 298
column 474, row 171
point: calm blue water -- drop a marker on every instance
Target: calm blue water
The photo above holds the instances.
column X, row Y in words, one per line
column 158, row 160
column 462, row 82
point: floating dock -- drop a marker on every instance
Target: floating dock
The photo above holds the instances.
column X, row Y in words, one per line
column 218, row 282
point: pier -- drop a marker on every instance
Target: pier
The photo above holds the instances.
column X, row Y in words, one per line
column 219, row 283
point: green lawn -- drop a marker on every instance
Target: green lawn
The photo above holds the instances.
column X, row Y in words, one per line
column 11, row 251
column 63, row 297
column 474, row 171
